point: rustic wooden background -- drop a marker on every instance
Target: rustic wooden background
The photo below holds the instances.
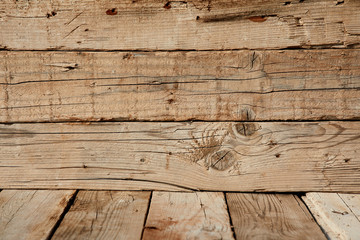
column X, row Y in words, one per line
column 180, row 95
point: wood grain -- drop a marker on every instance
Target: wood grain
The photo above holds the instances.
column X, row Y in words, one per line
column 224, row 156
column 105, row 215
column 338, row 214
column 178, row 86
column 201, row 215
column 271, row 216
column 171, row 25
column 31, row 214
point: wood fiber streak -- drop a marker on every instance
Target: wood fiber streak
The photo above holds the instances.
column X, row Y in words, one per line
column 223, row 156
column 105, row 215
column 271, row 216
column 201, row 215
column 338, row 214
column 31, row 214
column 179, row 86
column 172, row 25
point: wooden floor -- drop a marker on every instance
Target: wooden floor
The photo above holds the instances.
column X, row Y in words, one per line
column 73, row 214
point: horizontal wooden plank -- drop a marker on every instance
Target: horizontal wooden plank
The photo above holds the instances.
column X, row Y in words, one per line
column 31, row 214
column 224, row 156
column 200, row 215
column 336, row 213
column 271, row 216
column 105, row 215
column 169, row 25
column 162, row 86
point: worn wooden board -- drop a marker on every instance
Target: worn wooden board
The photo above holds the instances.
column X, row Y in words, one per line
column 105, row 215
column 224, row 156
column 271, row 216
column 201, row 215
column 166, row 86
column 170, row 25
column 31, row 214
column 338, row 214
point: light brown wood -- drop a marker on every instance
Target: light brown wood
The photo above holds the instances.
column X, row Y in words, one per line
column 224, row 156
column 31, row 214
column 163, row 86
column 338, row 214
column 158, row 24
column 271, row 216
column 201, row 215
column 105, row 215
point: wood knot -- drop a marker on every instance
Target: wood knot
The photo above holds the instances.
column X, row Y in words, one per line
column 245, row 129
column 222, row 160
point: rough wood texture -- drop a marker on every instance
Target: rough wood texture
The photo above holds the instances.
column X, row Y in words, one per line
column 31, row 214
column 271, row 216
column 338, row 214
column 224, row 156
column 198, row 24
column 105, row 215
column 200, row 215
column 234, row 85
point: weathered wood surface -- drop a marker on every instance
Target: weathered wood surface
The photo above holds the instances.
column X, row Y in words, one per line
column 224, row 156
column 31, row 214
column 338, row 214
column 158, row 24
column 201, row 215
column 105, row 215
column 271, row 216
column 230, row 85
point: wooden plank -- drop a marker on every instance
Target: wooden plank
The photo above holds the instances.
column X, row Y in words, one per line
column 105, row 215
column 352, row 201
column 201, row 215
column 178, row 86
column 31, row 214
column 224, row 156
column 271, row 216
column 158, row 24
column 336, row 214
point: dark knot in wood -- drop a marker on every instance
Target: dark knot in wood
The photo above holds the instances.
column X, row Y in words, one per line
column 222, row 160
column 246, row 129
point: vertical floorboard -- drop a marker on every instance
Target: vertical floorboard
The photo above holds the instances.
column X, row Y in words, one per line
column 31, row 214
column 201, row 215
column 271, row 216
column 338, row 214
column 105, row 215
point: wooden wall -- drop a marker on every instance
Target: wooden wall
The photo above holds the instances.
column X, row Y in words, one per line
column 180, row 95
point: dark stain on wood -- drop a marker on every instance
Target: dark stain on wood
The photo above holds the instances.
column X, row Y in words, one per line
column 52, row 14
column 167, row 5
column 246, row 129
column 112, row 11
column 339, row 3
column 128, row 56
column 257, row 19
